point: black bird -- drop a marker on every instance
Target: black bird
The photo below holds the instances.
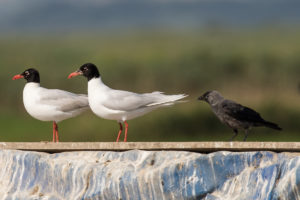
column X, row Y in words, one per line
column 235, row 115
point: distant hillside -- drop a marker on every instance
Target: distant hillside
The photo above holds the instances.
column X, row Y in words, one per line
column 65, row 15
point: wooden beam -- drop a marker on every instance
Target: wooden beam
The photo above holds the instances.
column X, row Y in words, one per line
column 51, row 147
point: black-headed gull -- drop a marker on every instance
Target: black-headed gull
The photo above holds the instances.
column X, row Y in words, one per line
column 50, row 104
column 117, row 104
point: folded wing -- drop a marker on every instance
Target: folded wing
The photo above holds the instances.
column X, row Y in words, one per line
column 127, row 101
column 241, row 113
column 64, row 101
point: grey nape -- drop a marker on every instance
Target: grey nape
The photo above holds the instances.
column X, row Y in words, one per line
column 235, row 115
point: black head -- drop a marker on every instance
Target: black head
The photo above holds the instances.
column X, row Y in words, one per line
column 30, row 75
column 88, row 70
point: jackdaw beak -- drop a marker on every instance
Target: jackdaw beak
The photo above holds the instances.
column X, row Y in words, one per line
column 201, row 98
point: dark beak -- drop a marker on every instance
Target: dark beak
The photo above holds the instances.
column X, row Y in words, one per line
column 77, row 73
column 201, row 98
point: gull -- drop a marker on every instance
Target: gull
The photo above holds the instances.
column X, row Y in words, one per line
column 50, row 104
column 120, row 105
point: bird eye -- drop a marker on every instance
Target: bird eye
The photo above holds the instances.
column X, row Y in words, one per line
column 26, row 73
column 85, row 68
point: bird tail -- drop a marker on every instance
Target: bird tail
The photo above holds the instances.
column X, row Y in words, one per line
column 271, row 125
column 167, row 100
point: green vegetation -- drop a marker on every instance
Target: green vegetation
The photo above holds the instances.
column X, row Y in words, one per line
column 258, row 68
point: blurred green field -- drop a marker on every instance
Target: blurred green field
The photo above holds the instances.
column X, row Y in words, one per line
column 258, row 68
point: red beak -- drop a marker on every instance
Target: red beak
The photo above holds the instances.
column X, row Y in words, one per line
column 77, row 73
column 17, row 77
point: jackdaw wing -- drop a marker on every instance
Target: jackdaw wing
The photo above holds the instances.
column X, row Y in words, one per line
column 240, row 112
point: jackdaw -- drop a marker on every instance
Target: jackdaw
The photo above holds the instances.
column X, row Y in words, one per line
column 235, row 115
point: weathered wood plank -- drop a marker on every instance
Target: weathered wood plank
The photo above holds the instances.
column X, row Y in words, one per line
column 164, row 146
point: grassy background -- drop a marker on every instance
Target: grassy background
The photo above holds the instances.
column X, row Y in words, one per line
column 258, row 68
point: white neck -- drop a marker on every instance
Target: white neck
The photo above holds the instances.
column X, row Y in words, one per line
column 96, row 84
column 32, row 84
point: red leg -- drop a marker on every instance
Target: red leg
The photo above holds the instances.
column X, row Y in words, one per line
column 53, row 140
column 126, row 130
column 120, row 131
column 56, row 132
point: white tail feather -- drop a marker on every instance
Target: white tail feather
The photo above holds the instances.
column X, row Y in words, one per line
column 167, row 100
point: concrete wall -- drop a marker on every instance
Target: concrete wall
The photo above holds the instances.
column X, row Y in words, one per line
column 149, row 175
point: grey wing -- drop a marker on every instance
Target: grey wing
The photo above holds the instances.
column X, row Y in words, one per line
column 127, row 101
column 63, row 100
column 239, row 112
